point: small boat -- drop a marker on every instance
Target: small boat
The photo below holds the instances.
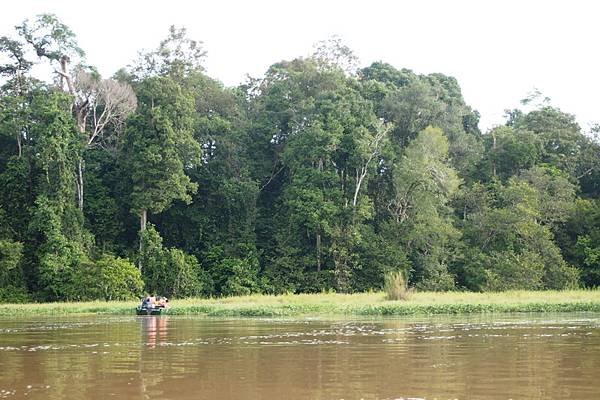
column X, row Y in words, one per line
column 149, row 311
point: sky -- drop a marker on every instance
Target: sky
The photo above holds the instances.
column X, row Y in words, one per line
column 499, row 51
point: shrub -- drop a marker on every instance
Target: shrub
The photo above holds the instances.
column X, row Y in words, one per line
column 434, row 275
column 561, row 276
column 58, row 273
column 396, row 286
column 242, row 276
column 185, row 278
column 234, row 276
column 14, row 294
column 11, row 254
column 285, row 274
column 170, row 271
column 317, row 282
column 109, row 278
column 118, row 279
column 512, row 271
column 12, row 286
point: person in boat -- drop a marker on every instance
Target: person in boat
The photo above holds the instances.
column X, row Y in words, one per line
column 149, row 302
column 162, row 302
column 145, row 302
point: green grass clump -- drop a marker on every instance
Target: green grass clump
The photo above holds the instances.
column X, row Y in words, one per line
column 396, row 286
column 331, row 304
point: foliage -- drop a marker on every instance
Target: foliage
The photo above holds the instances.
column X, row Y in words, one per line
column 233, row 276
column 11, row 255
column 331, row 304
column 170, row 272
column 158, row 146
column 510, row 247
column 424, row 182
column 396, row 286
column 313, row 177
column 12, row 282
column 177, row 55
column 108, row 278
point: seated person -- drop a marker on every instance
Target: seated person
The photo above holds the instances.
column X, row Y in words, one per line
column 162, row 302
column 144, row 302
column 149, row 302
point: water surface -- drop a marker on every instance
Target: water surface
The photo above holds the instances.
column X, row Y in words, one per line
column 549, row 356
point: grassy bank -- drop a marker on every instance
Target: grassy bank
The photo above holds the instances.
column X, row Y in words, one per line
column 362, row 304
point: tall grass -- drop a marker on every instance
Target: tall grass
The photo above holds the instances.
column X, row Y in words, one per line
column 331, row 304
column 396, row 286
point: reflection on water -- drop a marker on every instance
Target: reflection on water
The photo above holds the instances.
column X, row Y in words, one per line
column 155, row 329
column 157, row 357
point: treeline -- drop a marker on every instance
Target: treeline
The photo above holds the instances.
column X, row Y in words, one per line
column 316, row 176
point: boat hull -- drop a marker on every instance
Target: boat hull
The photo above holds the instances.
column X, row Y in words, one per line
column 149, row 311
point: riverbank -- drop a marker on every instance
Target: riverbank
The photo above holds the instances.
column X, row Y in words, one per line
column 360, row 304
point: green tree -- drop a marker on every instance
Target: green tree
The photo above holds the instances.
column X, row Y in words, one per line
column 55, row 231
column 509, row 247
column 413, row 102
column 158, row 147
column 560, row 135
column 108, row 278
column 12, row 282
column 508, row 151
column 579, row 239
column 423, row 185
column 324, row 142
column 170, row 271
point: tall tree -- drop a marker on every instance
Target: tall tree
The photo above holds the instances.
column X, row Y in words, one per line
column 100, row 106
column 158, row 147
column 423, row 185
column 177, row 56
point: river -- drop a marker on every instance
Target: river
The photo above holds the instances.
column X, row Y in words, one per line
column 521, row 356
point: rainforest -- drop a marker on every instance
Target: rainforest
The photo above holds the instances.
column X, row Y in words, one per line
column 318, row 176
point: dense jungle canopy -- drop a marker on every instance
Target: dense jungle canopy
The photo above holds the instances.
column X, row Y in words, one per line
column 316, row 176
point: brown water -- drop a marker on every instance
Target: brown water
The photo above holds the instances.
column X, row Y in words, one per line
column 551, row 356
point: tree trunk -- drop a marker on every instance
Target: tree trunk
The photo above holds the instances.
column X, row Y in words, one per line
column 19, row 144
column 143, row 222
column 494, row 151
column 359, row 180
column 64, row 75
column 79, row 184
column 80, row 116
column 80, row 166
column 318, row 252
column 320, row 166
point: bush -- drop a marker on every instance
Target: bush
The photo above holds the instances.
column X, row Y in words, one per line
column 234, row 276
column 396, row 286
column 588, row 252
column 241, row 276
column 58, row 274
column 378, row 253
column 511, row 271
column 434, row 275
column 185, row 278
column 118, row 279
column 471, row 269
column 317, row 282
column 285, row 274
column 109, row 278
column 561, row 276
column 11, row 254
column 171, row 272
column 12, row 287
column 14, row 294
